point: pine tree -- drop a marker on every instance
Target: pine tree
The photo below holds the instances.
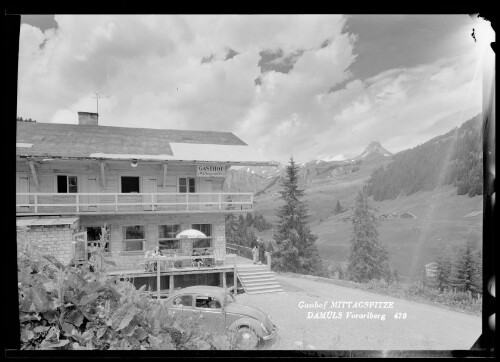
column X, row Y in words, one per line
column 236, row 230
column 296, row 248
column 338, row 208
column 233, row 229
column 443, row 276
column 368, row 259
column 242, row 230
column 467, row 271
column 249, row 220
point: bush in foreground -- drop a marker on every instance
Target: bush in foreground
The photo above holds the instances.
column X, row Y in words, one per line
column 66, row 307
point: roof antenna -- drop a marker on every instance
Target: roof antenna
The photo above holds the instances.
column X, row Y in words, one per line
column 97, row 96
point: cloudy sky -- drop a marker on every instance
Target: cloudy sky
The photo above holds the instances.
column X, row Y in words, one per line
column 311, row 86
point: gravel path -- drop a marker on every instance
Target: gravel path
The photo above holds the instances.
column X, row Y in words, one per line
column 425, row 327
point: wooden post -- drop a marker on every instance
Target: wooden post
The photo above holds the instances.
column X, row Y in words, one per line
column 158, row 276
column 171, row 284
column 164, row 175
column 103, row 175
column 268, row 255
column 235, row 274
column 33, row 172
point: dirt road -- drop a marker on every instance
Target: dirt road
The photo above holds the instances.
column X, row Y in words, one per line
column 423, row 326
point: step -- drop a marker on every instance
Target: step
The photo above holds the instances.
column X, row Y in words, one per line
column 251, row 269
column 251, row 272
column 258, row 278
column 256, row 272
column 258, row 283
column 251, row 266
column 277, row 290
column 263, row 287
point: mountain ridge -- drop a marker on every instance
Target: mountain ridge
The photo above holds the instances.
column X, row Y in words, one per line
column 264, row 179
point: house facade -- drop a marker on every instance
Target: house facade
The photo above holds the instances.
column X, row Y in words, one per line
column 143, row 185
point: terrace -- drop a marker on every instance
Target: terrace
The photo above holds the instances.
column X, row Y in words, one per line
column 126, row 203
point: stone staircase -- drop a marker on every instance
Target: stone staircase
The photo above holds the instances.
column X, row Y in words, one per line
column 257, row 279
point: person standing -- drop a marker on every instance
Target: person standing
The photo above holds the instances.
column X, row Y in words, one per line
column 255, row 254
column 261, row 252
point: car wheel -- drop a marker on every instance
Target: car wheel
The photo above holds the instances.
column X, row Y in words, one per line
column 246, row 338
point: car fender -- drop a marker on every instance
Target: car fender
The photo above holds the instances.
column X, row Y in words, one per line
column 248, row 322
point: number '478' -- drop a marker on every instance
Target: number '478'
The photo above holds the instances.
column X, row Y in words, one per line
column 400, row 316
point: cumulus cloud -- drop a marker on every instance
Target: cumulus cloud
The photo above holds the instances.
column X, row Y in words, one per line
column 199, row 72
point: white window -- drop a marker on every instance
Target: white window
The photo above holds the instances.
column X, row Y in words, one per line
column 67, row 184
column 166, row 236
column 134, row 237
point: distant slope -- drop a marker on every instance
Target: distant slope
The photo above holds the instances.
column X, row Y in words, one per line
column 454, row 158
column 443, row 218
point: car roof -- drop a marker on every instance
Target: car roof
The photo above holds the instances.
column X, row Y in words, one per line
column 201, row 289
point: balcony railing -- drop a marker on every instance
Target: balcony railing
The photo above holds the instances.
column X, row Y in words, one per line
column 113, row 203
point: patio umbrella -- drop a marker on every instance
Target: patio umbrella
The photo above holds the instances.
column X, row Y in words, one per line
column 191, row 234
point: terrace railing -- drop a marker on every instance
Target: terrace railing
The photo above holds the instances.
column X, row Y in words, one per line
column 113, row 203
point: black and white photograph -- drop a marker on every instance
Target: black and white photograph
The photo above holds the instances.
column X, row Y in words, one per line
column 302, row 182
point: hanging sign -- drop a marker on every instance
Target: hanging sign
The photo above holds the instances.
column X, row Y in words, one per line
column 211, row 171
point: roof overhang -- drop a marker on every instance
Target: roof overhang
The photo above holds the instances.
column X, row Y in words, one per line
column 22, row 222
column 44, row 159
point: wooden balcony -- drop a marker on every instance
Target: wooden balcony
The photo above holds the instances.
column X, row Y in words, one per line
column 130, row 203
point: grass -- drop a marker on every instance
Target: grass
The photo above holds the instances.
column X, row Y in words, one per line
column 411, row 243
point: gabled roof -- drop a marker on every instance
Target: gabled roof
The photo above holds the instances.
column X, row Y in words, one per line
column 55, row 140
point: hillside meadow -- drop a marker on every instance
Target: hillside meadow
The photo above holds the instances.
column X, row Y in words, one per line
column 442, row 221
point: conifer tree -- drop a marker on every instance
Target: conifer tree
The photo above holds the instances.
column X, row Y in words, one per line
column 443, row 276
column 338, row 208
column 296, row 248
column 368, row 259
column 467, row 271
column 249, row 219
column 233, row 229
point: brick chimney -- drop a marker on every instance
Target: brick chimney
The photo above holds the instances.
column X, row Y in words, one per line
column 87, row 118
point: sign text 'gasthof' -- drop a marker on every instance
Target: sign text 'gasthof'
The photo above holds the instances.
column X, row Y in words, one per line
column 211, row 171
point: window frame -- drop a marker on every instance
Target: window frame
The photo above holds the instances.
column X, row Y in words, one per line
column 181, row 296
column 107, row 249
column 67, row 175
column 124, row 241
column 169, row 239
column 211, row 298
column 209, row 237
column 187, row 184
column 126, row 175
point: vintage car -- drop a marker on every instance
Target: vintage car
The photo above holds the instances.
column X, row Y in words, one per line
column 218, row 310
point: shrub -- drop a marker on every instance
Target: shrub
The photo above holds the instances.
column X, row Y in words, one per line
column 65, row 307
